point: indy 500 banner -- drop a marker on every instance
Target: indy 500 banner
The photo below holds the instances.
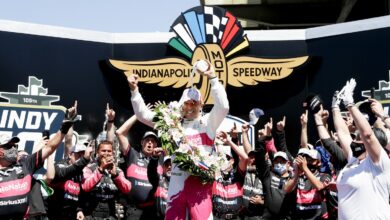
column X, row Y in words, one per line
column 29, row 112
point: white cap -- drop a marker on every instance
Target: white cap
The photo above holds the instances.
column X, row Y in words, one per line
column 167, row 158
column 190, row 94
column 78, row 148
column 5, row 139
column 281, row 154
column 311, row 153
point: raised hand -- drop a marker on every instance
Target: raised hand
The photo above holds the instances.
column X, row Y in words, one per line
column 245, row 128
column 210, row 72
column 280, row 125
column 234, row 131
column 71, row 112
column 377, row 108
column 304, row 118
column 348, row 93
column 133, row 81
column 261, row 133
column 336, row 100
column 224, row 137
column 89, row 149
column 110, row 113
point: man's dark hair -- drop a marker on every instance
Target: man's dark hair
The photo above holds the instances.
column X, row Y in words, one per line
column 104, row 142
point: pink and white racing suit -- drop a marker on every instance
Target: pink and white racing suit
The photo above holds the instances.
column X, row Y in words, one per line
column 186, row 192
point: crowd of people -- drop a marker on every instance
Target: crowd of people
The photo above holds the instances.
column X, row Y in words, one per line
column 345, row 175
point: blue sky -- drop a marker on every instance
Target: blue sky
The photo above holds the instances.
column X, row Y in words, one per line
column 116, row 16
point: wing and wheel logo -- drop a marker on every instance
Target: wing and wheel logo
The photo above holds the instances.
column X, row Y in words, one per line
column 211, row 33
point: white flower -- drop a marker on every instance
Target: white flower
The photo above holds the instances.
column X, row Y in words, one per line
column 175, row 134
column 169, row 117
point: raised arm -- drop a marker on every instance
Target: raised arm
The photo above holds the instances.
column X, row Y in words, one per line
column 243, row 157
column 320, row 123
column 143, row 113
column 304, row 130
column 342, row 130
column 329, row 144
column 110, row 114
column 281, row 137
column 371, row 143
column 269, row 140
column 68, row 141
column 70, row 113
column 221, row 103
column 122, row 132
column 245, row 138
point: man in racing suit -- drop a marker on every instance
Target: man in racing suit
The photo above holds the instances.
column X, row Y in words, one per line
column 186, row 192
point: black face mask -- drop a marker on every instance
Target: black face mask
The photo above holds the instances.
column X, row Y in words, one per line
column 357, row 149
column 313, row 168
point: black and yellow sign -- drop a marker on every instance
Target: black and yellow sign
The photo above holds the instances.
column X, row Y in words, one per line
column 214, row 34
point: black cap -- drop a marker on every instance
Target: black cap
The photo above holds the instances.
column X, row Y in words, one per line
column 150, row 134
column 312, row 103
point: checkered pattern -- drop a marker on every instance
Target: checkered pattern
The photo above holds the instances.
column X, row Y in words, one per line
column 213, row 18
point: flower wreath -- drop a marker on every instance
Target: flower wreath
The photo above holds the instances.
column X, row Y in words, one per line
column 188, row 157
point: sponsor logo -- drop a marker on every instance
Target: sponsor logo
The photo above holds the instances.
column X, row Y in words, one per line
column 231, row 202
column 23, row 186
column 213, row 34
column 72, row 187
column 13, row 202
column 228, row 191
column 139, row 183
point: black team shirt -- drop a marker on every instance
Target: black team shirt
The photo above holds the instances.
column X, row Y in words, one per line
column 15, row 185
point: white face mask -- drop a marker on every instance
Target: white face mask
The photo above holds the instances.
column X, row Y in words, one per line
column 252, row 118
column 280, row 168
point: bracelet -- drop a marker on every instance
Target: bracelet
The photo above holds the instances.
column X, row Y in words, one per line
column 110, row 121
column 318, row 125
column 210, row 78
